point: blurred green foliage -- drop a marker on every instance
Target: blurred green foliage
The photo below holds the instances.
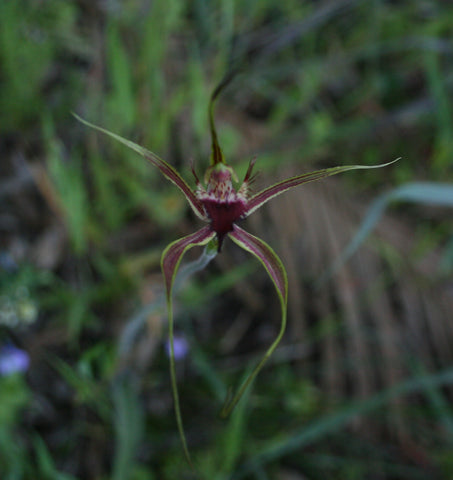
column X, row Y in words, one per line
column 33, row 38
column 326, row 83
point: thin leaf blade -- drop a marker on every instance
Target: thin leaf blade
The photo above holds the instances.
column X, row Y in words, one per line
column 426, row 193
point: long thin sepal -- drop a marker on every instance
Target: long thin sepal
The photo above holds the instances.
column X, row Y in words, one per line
column 166, row 169
column 217, row 155
column 171, row 258
column 259, row 199
column 264, row 253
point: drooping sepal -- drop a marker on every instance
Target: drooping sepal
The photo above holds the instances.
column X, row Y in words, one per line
column 165, row 168
column 274, row 267
column 267, row 257
column 171, row 258
column 259, row 199
column 172, row 255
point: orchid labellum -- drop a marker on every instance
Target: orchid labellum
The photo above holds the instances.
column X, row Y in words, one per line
column 222, row 206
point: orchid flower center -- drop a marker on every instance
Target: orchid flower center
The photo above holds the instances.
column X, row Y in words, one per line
column 222, row 203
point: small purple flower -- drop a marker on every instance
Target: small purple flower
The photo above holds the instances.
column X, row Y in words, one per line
column 13, row 360
column 7, row 262
column 180, row 345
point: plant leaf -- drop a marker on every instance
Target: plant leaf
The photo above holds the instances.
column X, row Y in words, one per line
column 274, row 267
column 259, row 199
column 329, row 423
column 171, row 258
column 427, row 193
column 166, row 169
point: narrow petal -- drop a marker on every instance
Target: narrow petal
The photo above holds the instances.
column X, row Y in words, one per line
column 264, row 253
column 171, row 258
column 266, row 256
column 172, row 255
column 166, row 169
column 258, row 200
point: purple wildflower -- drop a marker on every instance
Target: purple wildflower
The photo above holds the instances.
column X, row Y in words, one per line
column 13, row 360
column 180, row 346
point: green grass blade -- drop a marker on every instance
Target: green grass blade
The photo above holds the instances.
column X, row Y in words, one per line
column 128, row 422
column 426, row 193
column 316, row 430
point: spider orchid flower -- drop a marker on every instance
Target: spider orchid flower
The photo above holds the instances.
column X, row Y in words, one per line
column 222, row 207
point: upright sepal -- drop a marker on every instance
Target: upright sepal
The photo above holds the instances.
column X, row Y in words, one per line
column 166, row 169
column 259, row 199
column 216, row 152
column 274, row 267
